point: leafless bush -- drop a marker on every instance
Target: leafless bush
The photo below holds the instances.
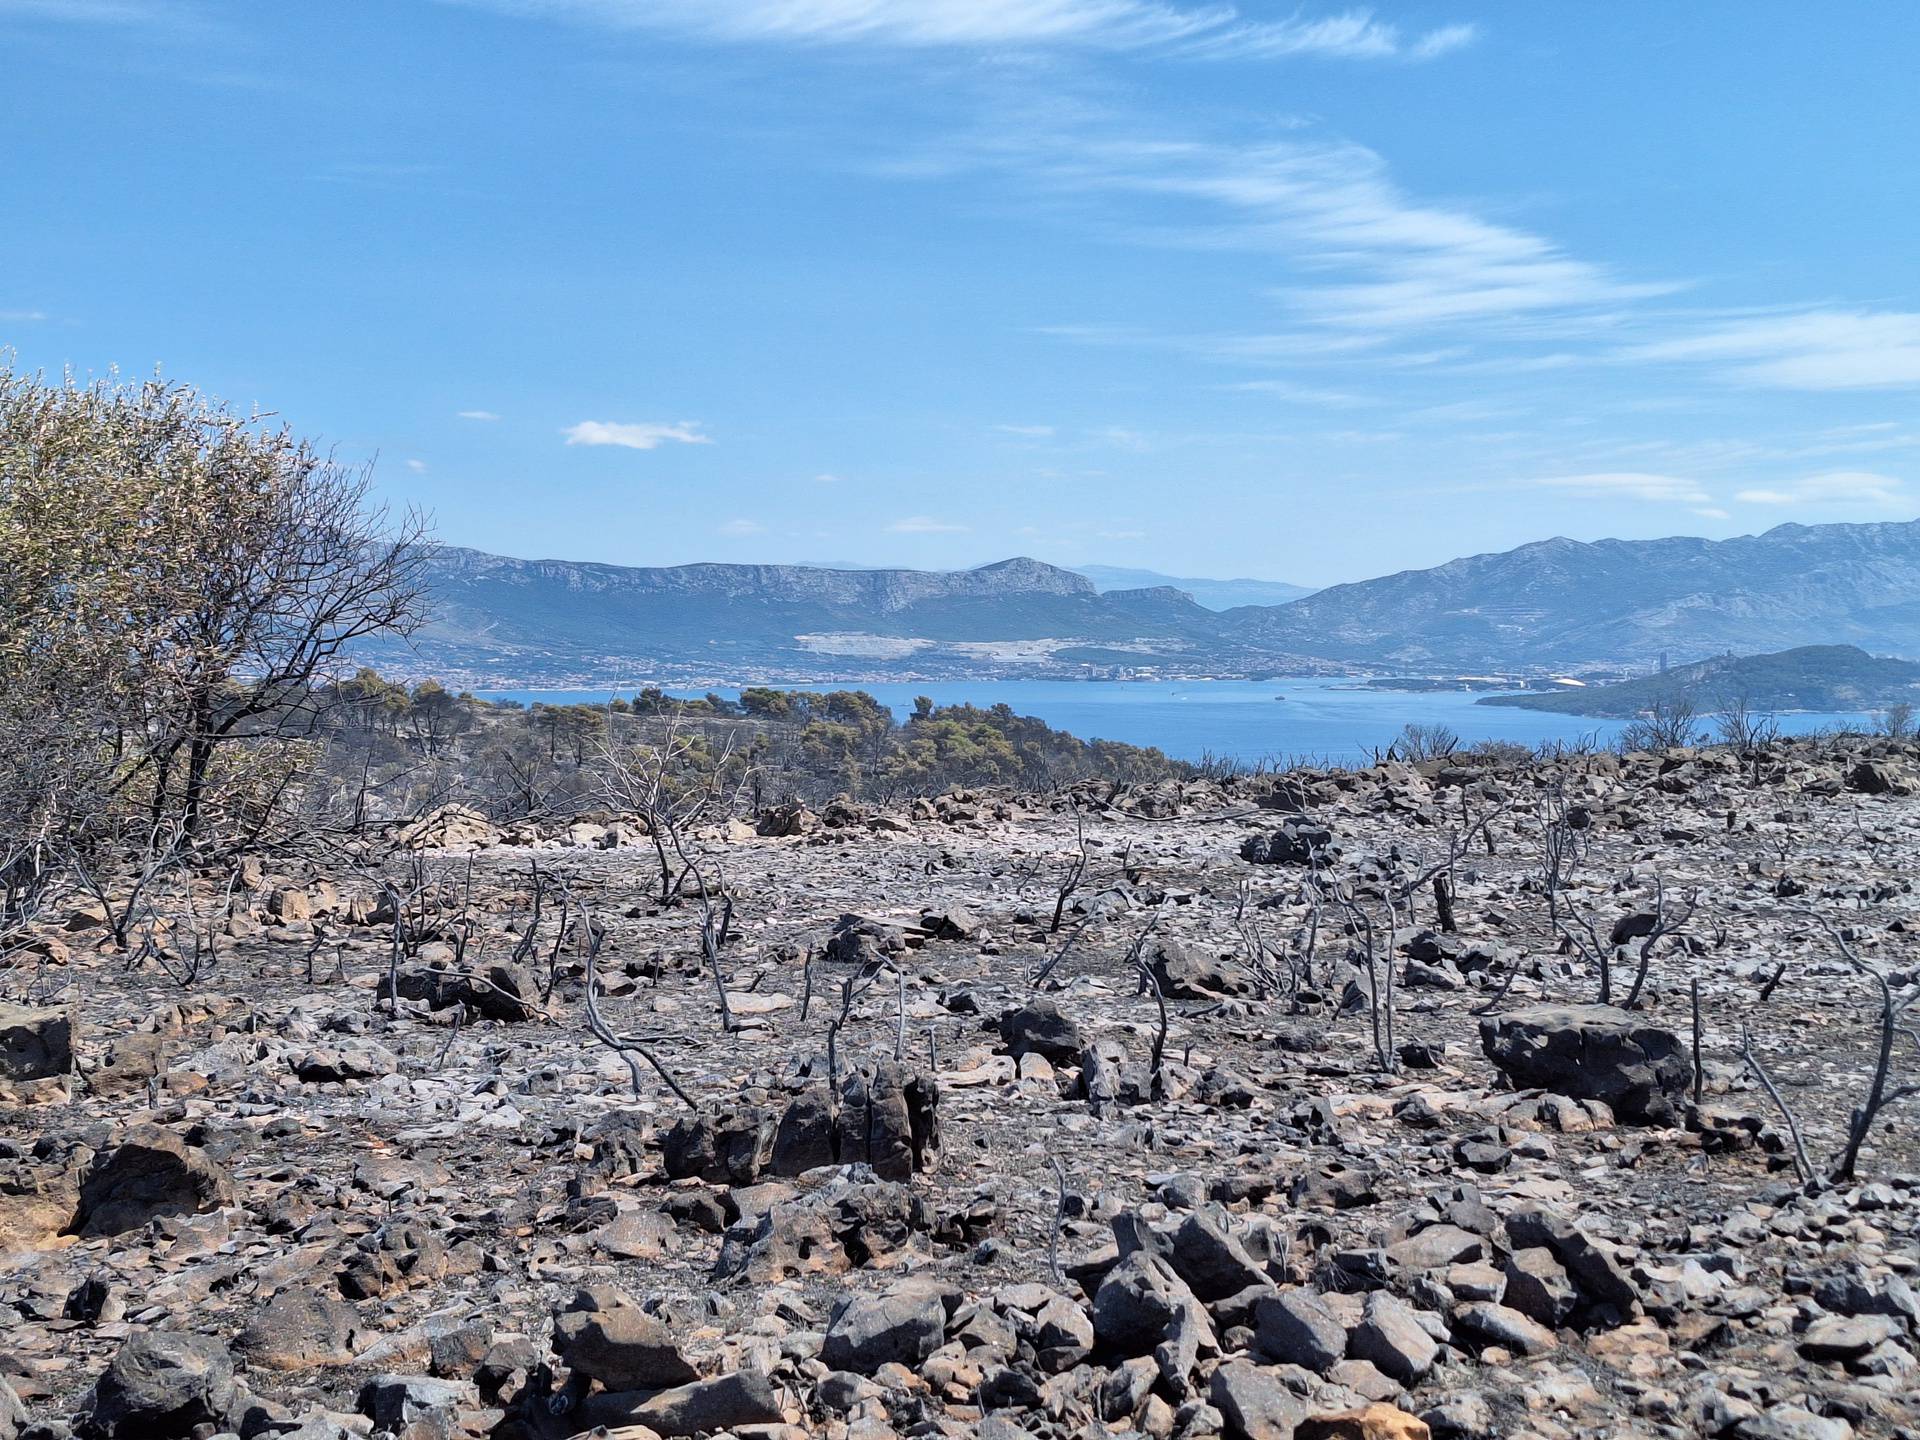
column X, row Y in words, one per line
column 672, row 785
column 1577, row 930
column 1076, row 870
column 1670, row 723
column 1892, row 1028
column 1743, row 728
column 1417, row 742
column 1896, row 721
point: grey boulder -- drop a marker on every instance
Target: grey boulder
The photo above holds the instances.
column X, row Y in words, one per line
column 1592, row 1052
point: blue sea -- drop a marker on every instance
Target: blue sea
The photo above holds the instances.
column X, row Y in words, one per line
column 1309, row 718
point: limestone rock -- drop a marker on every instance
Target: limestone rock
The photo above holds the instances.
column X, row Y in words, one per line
column 300, row 1329
column 34, row 1044
column 1374, row 1422
column 1592, row 1052
column 904, row 1326
column 1038, row 1028
column 603, row 1333
column 1296, row 1327
column 1392, row 1338
column 150, row 1173
column 1254, row 1401
column 1185, row 972
column 745, row 1397
column 159, row 1386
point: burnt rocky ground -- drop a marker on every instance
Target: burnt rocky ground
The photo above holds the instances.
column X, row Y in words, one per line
column 932, row 1181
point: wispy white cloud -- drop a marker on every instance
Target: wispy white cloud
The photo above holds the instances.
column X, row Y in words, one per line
column 644, row 436
column 925, row 525
column 1837, row 488
column 476, row 415
column 1370, row 264
column 23, row 317
column 1448, row 38
column 1027, row 432
column 742, row 527
column 1391, row 261
column 1352, row 35
column 1295, row 393
column 1820, row 349
column 418, row 467
column 1629, row 485
column 1202, row 30
column 1373, row 266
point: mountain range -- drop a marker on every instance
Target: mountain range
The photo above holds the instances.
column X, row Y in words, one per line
column 1557, row 605
column 554, row 621
column 1564, row 604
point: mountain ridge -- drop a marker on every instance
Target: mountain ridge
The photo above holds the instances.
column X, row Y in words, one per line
column 1561, row 602
column 1213, row 594
column 499, row 615
column 1556, row 605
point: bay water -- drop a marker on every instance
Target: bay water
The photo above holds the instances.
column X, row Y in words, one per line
column 1308, row 718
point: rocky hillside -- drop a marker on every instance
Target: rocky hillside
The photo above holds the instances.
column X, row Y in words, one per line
column 1563, row 603
column 554, row 619
column 1192, row 1110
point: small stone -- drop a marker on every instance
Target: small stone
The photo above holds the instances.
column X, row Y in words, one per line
column 1506, row 1327
column 904, row 1326
column 1254, row 1402
column 1295, row 1327
column 603, row 1333
column 1846, row 1337
column 1390, row 1335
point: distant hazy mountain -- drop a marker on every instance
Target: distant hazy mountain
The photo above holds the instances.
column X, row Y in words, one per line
column 1562, row 603
column 1555, row 605
column 1813, row 677
column 545, row 620
column 1213, row 594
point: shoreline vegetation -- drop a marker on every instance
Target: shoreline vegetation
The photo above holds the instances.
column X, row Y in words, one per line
column 1809, row 678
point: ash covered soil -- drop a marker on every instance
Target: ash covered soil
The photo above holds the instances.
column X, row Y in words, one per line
column 933, row 1182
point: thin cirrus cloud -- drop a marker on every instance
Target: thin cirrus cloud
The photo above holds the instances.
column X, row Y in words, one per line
column 1629, row 485
column 1201, row 31
column 475, row 415
column 1392, row 261
column 742, row 527
column 1841, row 487
column 1370, row 263
column 1819, row 349
column 925, row 525
column 643, row 436
column 1374, row 265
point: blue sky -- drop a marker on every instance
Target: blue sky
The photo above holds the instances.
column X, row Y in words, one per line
column 1306, row 293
